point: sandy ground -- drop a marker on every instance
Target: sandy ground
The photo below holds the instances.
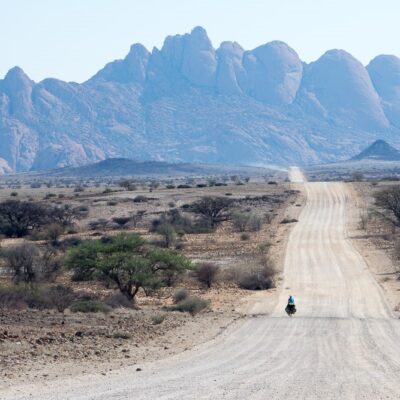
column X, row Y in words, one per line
column 343, row 343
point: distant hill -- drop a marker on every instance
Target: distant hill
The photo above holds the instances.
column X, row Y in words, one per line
column 113, row 167
column 380, row 151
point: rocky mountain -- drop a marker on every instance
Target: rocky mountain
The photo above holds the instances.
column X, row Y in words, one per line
column 190, row 102
column 379, row 151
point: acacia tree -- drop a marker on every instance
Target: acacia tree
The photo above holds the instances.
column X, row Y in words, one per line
column 389, row 200
column 214, row 209
column 127, row 262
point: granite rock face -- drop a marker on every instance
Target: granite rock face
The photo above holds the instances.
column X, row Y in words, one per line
column 341, row 88
column 385, row 75
column 191, row 102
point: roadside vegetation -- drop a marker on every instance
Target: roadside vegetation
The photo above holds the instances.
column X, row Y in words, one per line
column 104, row 261
column 379, row 220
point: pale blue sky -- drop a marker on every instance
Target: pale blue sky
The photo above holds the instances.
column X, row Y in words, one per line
column 72, row 39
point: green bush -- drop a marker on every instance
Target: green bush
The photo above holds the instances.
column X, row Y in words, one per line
column 127, row 261
column 90, row 306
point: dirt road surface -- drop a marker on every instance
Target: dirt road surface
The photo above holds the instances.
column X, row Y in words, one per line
column 343, row 343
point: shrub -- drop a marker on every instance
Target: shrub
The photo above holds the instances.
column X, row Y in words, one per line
column 206, row 273
column 90, row 306
column 240, row 221
column 127, row 184
column 170, row 187
column 71, row 241
column 180, row 295
column 246, row 221
column 255, row 223
column 51, row 264
column 180, row 246
column 260, row 277
column 181, row 223
column 289, row 221
column 12, row 299
column 96, row 224
column 121, row 221
column 157, row 319
column 168, row 233
column 244, row 236
column 122, row 335
column 53, row 232
column 118, row 300
column 14, row 194
column 36, row 298
column 192, row 305
column 61, row 297
column 17, row 218
column 140, row 199
column 112, row 203
column 184, row 186
column 22, row 262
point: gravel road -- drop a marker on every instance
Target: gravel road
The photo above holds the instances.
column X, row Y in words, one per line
column 343, row 343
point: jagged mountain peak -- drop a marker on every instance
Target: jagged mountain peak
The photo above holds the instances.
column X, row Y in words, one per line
column 16, row 78
column 191, row 102
column 132, row 69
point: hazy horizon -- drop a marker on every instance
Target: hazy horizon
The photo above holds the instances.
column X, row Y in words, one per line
column 71, row 41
